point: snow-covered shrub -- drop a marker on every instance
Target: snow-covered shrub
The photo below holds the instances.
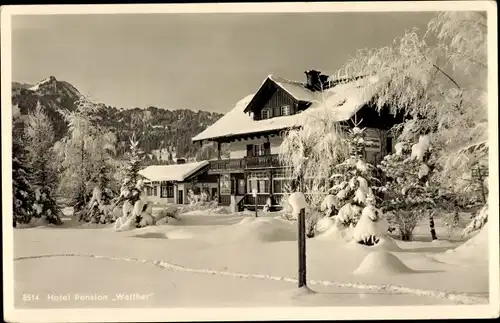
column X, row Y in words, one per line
column 329, row 205
column 168, row 212
column 371, row 226
column 221, row 210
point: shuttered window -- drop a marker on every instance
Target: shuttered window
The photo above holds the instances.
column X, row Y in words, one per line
column 265, row 114
column 285, row 110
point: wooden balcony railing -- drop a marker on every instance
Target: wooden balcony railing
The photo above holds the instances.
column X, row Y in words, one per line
column 221, row 165
column 226, row 164
column 262, row 161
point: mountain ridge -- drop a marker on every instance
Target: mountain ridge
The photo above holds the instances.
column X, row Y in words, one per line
column 158, row 129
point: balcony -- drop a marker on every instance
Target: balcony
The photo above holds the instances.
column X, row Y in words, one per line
column 223, row 165
column 240, row 164
column 262, row 162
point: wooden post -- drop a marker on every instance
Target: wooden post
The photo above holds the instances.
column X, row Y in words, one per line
column 218, row 150
column 302, row 248
column 218, row 188
column 254, row 194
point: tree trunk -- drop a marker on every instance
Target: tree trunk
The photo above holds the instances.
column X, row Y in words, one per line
column 405, row 236
column 431, row 225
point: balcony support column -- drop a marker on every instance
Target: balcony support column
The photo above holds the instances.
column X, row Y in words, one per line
column 218, row 188
column 270, row 188
column 218, row 150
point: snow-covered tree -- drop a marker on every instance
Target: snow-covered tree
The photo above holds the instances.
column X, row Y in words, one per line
column 442, row 88
column 87, row 155
column 40, row 158
column 308, row 153
column 410, row 189
column 135, row 158
column 22, row 191
column 355, row 179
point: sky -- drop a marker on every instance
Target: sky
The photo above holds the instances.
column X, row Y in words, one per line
column 192, row 61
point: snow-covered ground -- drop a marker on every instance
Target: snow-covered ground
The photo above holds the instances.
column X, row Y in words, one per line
column 238, row 260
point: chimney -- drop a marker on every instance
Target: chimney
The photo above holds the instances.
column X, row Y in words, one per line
column 181, row 161
column 313, row 80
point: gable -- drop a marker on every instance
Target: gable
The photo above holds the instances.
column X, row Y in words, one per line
column 271, row 97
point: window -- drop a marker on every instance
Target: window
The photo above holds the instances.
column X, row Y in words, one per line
column 167, row 190
column 259, row 181
column 285, row 110
column 225, row 184
column 264, row 114
column 258, row 150
column 389, row 145
column 281, row 182
column 152, row 190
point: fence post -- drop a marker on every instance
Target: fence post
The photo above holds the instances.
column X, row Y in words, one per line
column 302, row 248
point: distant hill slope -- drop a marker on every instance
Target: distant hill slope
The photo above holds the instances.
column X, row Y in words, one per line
column 156, row 128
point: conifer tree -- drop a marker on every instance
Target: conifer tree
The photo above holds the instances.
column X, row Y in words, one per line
column 40, row 139
column 356, row 183
column 22, row 192
column 136, row 156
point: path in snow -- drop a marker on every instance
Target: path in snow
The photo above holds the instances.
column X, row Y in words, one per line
column 458, row 298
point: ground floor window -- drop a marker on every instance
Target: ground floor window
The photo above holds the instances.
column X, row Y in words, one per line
column 167, row 190
column 258, row 181
column 152, row 190
column 281, row 182
column 225, row 184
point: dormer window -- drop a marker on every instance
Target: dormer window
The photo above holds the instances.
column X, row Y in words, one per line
column 285, row 110
column 265, row 114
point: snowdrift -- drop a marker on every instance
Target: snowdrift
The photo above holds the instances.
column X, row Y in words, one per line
column 251, row 229
column 382, row 263
column 476, row 247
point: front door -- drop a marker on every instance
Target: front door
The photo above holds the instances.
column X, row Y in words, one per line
column 181, row 197
column 241, row 187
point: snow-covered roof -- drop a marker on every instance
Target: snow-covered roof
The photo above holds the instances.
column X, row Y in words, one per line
column 296, row 89
column 340, row 102
column 177, row 172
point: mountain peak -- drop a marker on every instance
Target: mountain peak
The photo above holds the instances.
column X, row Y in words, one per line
column 51, row 86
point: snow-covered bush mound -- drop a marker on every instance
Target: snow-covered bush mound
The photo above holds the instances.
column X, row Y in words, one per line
column 371, row 226
column 253, row 229
column 385, row 243
column 333, row 229
column 382, row 263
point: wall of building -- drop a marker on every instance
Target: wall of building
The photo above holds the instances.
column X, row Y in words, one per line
column 238, row 149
